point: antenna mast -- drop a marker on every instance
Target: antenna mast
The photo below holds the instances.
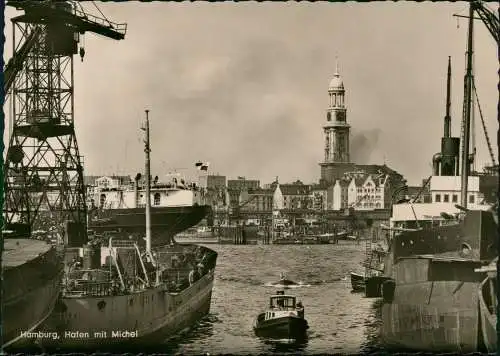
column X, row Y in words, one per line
column 468, row 108
column 147, row 150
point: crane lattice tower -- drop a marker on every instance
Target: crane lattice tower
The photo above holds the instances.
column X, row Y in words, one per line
column 43, row 172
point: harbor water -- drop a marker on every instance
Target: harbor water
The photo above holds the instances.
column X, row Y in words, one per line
column 340, row 321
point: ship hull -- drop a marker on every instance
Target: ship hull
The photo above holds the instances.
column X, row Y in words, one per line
column 434, row 327
column 166, row 222
column 357, row 282
column 30, row 294
column 488, row 315
column 434, row 306
column 135, row 321
column 433, row 302
column 282, row 328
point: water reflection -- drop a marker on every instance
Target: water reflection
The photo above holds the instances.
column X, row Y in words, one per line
column 285, row 346
column 373, row 323
column 204, row 328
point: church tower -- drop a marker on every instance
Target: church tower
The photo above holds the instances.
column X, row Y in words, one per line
column 336, row 128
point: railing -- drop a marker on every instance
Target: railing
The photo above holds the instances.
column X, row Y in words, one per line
column 81, row 288
column 118, row 27
column 123, row 244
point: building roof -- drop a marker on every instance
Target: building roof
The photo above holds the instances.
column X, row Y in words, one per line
column 377, row 169
column 296, row 188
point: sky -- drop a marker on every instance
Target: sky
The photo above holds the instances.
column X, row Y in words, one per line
column 244, row 85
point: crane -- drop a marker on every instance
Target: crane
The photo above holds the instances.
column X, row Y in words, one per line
column 43, row 170
column 351, row 208
column 15, row 64
column 236, row 210
column 492, row 23
column 489, row 18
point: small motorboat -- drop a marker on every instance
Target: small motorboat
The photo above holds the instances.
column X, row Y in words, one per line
column 284, row 319
column 358, row 282
column 284, row 283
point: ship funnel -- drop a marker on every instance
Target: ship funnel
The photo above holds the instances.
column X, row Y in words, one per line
column 450, row 146
column 138, row 177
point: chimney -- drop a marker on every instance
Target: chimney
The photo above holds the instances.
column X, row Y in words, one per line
column 136, row 189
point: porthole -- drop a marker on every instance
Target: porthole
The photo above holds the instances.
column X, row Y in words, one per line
column 101, row 305
column 465, row 250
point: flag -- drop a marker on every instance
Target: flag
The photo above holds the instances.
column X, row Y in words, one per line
column 202, row 166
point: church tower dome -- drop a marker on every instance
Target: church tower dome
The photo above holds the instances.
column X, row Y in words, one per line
column 336, row 83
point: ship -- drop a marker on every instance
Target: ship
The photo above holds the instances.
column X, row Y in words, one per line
column 358, row 282
column 118, row 296
column 177, row 206
column 283, row 319
column 115, row 299
column 32, row 271
column 431, row 299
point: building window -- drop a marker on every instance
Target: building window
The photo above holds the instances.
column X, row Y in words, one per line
column 454, row 198
column 156, row 199
column 438, row 198
column 102, row 200
column 471, row 199
column 446, row 198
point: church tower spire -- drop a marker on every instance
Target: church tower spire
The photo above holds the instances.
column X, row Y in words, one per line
column 336, row 128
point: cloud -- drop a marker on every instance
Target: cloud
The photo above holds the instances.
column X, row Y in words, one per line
column 244, row 85
column 363, row 144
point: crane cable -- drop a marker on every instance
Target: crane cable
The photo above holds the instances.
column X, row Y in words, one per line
column 484, row 125
column 104, row 17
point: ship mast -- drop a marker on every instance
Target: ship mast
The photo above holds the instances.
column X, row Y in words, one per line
column 147, row 150
column 468, row 111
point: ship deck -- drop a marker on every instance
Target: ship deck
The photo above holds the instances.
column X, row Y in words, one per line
column 19, row 251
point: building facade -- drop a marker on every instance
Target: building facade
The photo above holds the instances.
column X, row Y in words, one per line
column 447, row 189
column 213, row 182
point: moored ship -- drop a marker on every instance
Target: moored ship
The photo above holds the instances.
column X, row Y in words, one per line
column 358, row 282
column 122, row 297
column 176, row 207
column 32, row 271
column 118, row 300
column 431, row 302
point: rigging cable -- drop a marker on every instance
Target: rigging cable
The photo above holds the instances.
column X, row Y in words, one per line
column 484, row 125
column 104, row 17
